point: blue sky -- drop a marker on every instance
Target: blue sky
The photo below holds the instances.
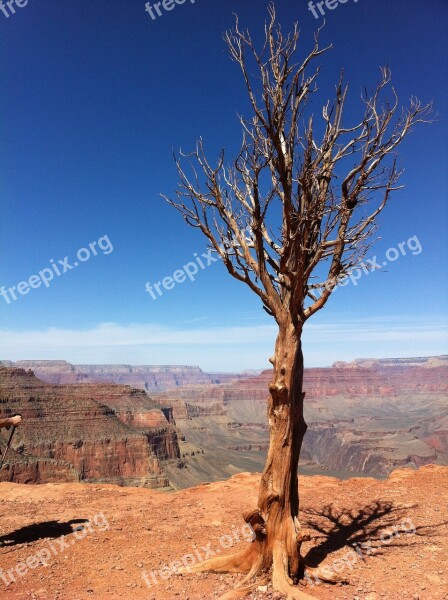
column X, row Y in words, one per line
column 95, row 96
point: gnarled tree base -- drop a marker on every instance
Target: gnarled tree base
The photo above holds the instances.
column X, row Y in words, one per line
column 261, row 562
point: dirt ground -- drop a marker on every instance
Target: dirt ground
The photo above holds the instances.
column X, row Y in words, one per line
column 389, row 538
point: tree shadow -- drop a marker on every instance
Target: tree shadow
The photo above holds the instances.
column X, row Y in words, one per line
column 370, row 530
column 39, row 531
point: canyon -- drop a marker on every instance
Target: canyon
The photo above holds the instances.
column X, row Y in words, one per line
column 364, row 418
column 171, row 427
column 151, row 378
column 85, row 432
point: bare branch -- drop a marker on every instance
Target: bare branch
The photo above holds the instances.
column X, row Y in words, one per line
column 285, row 185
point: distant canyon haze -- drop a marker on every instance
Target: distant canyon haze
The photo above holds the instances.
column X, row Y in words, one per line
column 172, row 427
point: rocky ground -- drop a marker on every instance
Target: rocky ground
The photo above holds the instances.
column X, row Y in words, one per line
column 388, row 538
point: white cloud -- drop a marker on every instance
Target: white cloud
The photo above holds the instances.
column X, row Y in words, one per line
column 225, row 348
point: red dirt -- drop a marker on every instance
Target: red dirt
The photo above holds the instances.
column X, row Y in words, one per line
column 143, row 530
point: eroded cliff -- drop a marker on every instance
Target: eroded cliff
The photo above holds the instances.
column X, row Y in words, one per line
column 85, row 432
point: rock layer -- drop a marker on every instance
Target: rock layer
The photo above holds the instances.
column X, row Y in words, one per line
column 366, row 417
column 84, row 432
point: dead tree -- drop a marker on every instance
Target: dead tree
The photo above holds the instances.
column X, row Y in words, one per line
column 290, row 217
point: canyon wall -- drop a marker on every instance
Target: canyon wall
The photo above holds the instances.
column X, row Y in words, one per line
column 82, row 432
column 148, row 377
column 364, row 418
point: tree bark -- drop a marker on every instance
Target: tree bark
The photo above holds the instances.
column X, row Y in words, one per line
column 275, row 551
column 279, row 498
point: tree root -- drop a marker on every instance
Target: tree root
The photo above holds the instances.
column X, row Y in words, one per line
column 325, row 574
column 240, row 562
column 242, row 589
column 248, row 560
column 281, row 582
column 255, row 562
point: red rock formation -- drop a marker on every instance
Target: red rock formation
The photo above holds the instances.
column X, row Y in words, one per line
column 369, row 416
column 147, row 377
column 84, row 432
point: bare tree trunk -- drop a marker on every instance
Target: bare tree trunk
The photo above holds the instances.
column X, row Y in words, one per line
column 275, row 550
column 278, row 498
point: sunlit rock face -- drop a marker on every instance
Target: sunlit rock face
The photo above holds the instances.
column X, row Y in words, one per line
column 148, row 377
column 100, row 432
column 365, row 417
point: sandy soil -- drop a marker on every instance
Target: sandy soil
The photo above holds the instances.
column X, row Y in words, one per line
column 388, row 538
